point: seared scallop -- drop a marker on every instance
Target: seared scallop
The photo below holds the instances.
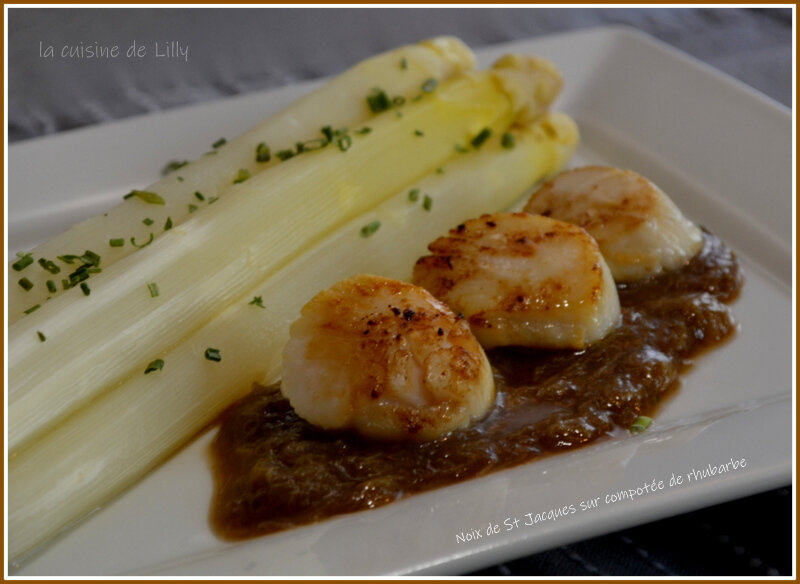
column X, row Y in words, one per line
column 638, row 228
column 522, row 279
column 386, row 359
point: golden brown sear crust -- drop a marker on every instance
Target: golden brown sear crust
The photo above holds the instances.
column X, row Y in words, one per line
column 387, row 359
column 628, row 210
column 522, row 279
column 640, row 231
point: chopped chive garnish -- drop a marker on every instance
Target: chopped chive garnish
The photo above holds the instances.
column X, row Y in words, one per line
column 116, row 242
column 284, row 155
column 219, row 143
column 213, row 200
column 192, row 208
column 147, row 221
column 419, row 133
column 213, row 354
column 429, row 85
column 146, row 196
column 78, row 276
column 413, row 195
column 327, row 131
column 263, row 153
column 403, row 63
column 51, row 286
column 482, row 136
column 25, row 283
column 65, row 283
column 257, row 301
column 82, row 273
column 378, row 101
column 427, row 203
column 90, row 258
column 41, row 336
column 641, row 424
column 508, row 140
column 398, row 100
column 364, row 130
column 344, row 142
column 168, row 224
column 33, row 308
column 241, row 176
column 68, row 259
column 49, row 265
column 460, row 148
column 309, row 145
column 148, row 242
column 86, row 289
column 370, row 228
column 156, row 365
column 25, row 260
column 174, row 165
column 199, row 196
column 153, row 288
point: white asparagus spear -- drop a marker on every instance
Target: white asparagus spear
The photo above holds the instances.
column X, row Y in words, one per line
column 107, row 446
column 99, row 335
column 339, row 102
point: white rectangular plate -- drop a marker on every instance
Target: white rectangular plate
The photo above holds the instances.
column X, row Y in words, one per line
column 722, row 151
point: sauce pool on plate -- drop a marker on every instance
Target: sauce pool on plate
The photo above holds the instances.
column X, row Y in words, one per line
column 274, row 471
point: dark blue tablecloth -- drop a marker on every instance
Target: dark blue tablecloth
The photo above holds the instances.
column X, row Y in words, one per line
column 236, row 51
